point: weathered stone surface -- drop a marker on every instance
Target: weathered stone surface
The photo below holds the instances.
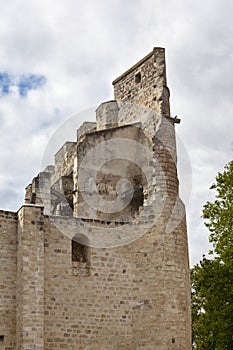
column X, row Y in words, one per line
column 79, row 274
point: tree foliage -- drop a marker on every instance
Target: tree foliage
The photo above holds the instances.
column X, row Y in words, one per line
column 212, row 279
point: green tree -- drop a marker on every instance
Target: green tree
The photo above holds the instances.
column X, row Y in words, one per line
column 212, row 279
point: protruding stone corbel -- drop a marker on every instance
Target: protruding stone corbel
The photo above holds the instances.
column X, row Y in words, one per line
column 174, row 120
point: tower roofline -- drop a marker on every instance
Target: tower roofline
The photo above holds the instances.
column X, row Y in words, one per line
column 138, row 64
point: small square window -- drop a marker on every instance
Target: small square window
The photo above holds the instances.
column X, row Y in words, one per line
column 1, row 338
column 138, row 77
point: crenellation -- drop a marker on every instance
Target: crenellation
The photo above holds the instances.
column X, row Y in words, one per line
column 84, row 129
column 107, row 115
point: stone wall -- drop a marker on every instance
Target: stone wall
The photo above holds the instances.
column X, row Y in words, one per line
column 8, row 264
column 135, row 296
column 145, row 83
column 107, row 157
column 30, row 279
column 90, row 312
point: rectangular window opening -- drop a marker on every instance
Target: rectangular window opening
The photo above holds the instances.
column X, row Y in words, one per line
column 1, row 338
column 138, row 77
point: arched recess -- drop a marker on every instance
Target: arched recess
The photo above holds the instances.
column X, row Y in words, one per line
column 80, row 255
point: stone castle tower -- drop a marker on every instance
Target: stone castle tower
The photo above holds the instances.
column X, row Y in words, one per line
column 97, row 257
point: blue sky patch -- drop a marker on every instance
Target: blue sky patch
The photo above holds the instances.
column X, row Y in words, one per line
column 23, row 83
column 5, row 83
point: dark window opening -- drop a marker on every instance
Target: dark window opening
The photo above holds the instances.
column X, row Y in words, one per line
column 1, row 338
column 33, row 198
column 79, row 252
column 68, row 189
column 138, row 198
column 80, row 255
column 138, row 77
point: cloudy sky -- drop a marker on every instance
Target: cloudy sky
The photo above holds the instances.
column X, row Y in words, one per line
column 58, row 58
